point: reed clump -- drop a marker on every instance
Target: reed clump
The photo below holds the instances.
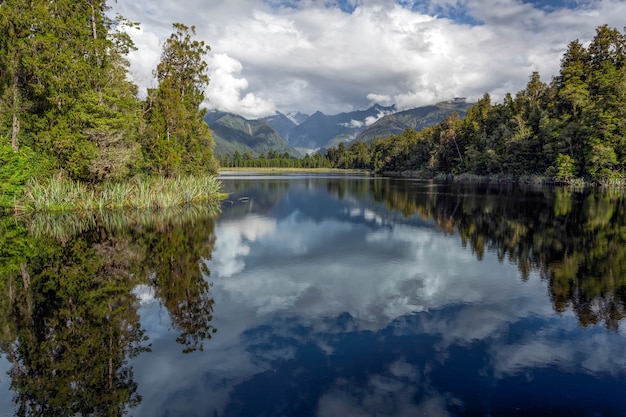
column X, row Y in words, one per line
column 62, row 194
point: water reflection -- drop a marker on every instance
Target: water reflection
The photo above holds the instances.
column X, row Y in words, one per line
column 69, row 311
column 333, row 296
column 576, row 240
column 349, row 283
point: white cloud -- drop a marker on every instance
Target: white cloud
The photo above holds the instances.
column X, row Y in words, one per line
column 373, row 119
column 145, row 59
column 227, row 90
column 313, row 56
column 382, row 99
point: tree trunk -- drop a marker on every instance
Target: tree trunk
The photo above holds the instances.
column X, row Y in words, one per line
column 94, row 33
column 15, row 127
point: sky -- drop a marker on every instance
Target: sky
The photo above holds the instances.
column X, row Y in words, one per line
column 343, row 55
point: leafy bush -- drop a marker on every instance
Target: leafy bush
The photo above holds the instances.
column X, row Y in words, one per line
column 16, row 168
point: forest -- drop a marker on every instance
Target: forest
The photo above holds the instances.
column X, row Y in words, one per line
column 572, row 128
column 569, row 130
column 69, row 112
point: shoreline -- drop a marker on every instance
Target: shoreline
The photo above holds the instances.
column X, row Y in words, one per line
column 466, row 178
column 60, row 195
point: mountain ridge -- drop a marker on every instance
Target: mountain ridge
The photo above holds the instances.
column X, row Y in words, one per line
column 233, row 133
column 319, row 131
column 416, row 118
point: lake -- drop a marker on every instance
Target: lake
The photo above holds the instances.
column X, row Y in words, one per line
column 321, row 295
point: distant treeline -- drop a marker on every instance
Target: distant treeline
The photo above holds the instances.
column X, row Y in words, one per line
column 570, row 129
column 273, row 159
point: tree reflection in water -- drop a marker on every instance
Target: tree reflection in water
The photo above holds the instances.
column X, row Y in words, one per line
column 69, row 320
column 576, row 239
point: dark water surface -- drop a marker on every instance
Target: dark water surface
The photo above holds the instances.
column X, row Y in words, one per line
column 321, row 296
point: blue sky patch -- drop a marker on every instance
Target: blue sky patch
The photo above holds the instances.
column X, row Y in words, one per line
column 458, row 14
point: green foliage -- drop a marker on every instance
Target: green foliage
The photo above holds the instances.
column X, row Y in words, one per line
column 62, row 194
column 65, row 97
column 16, row 169
column 273, row 160
column 571, row 129
column 564, row 168
column 177, row 140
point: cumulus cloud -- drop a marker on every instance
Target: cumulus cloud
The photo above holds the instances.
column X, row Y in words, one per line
column 341, row 56
column 145, row 59
column 382, row 99
column 227, row 90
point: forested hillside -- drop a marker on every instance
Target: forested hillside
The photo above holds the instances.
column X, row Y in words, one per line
column 416, row 119
column 571, row 128
column 67, row 109
column 233, row 133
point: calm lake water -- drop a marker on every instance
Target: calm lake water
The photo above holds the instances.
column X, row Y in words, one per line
column 318, row 295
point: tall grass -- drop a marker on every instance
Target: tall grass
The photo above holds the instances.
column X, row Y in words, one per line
column 59, row 194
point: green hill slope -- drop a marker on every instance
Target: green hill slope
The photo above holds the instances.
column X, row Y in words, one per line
column 235, row 133
column 417, row 119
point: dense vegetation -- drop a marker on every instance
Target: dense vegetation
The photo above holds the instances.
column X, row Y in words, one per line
column 571, row 129
column 273, row 159
column 67, row 109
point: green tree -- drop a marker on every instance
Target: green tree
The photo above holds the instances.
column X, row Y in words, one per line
column 177, row 140
column 604, row 118
column 63, row 87
column 564, row 168
column 14, row 31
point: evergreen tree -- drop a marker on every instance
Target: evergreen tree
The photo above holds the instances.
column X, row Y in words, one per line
column 63, row 86
column 605, row 116
column 177, row 140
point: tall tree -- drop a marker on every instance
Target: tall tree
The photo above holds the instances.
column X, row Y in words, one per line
column 14, row 30
column 605, row 117
column 572, row 97
column 63, row 87
column 177, row 138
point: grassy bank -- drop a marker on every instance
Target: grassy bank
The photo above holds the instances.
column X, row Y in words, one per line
column 58, row 194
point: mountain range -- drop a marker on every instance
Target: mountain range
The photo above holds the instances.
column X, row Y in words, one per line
column 297, row 133
column 233, row 133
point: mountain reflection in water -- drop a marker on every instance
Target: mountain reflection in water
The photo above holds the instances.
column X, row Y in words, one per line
column 322, row 296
